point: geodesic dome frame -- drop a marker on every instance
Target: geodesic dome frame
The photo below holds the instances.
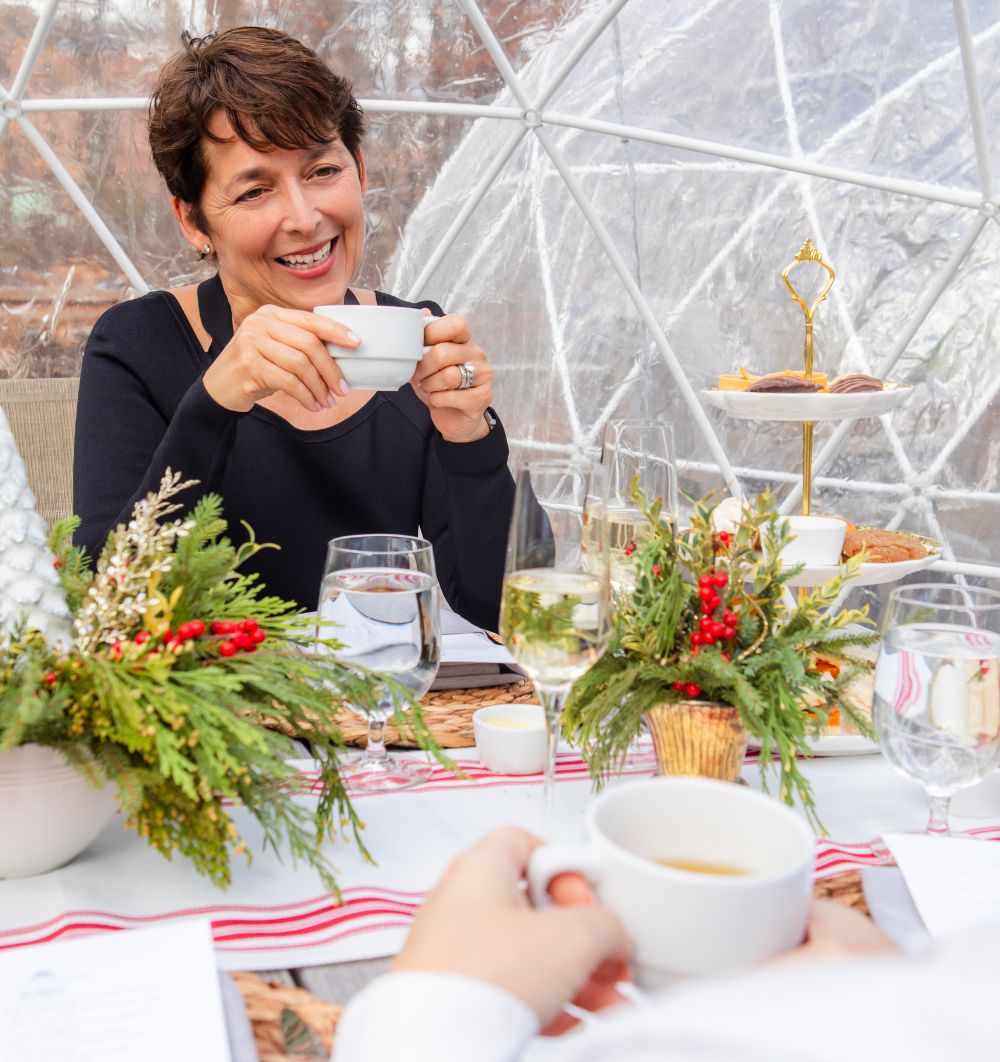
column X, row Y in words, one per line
column 573, row 146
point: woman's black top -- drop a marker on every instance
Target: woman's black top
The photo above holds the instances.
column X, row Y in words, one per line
column 143, row 408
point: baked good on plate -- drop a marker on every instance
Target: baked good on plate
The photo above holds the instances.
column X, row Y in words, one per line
column 883, row 547
column 853, row 383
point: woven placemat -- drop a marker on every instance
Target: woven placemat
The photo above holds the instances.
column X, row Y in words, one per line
column 845, row 889
column 288, row 1022
column 448, row 714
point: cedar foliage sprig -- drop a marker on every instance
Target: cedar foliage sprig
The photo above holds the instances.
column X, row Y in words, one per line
column 178, row 728
column 765, row 669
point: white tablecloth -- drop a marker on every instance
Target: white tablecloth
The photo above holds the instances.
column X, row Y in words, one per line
column 276, row 915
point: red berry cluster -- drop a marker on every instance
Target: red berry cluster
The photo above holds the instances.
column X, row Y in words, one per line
column 712, row 629
column 241, row 636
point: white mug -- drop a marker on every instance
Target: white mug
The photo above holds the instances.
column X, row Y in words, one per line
column 818, row 540
column 683, row 922
column 392, row 342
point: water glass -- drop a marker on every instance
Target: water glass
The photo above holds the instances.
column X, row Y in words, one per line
column 937, row 689
column 640, row 451
column 379, row 599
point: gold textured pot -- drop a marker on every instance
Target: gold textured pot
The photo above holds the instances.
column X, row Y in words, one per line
column 698, row 737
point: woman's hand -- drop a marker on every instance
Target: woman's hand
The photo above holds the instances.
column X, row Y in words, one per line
column 477, row 922
column 836, row 930
column 278, row 349
column 457, row 412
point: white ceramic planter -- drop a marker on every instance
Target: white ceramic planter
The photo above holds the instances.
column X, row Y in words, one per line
column 48, row 811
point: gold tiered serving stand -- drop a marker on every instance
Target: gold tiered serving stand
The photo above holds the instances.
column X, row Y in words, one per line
column 808, row 408
column 808, row 253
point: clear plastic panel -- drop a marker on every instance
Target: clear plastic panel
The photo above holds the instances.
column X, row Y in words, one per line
column 877, row 87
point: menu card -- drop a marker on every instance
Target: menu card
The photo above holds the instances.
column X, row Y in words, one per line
column 150, row 993
column 954, row 881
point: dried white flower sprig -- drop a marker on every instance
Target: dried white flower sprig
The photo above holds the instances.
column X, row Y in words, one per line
column 131, row 565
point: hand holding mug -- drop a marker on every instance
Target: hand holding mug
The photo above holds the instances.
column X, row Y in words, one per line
column 477, row 922
column 454, row 379
column 706, row 877
column 280, row 349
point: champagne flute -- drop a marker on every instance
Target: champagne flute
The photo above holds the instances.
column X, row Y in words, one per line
column 643, row 450
column 937, row 689
column 379, row 599
column 554, row 617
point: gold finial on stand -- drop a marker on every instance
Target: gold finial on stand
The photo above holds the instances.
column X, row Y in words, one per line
column 808, row 253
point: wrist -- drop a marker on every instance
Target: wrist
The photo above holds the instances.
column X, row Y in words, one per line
column 483, row 426
column 220, row 395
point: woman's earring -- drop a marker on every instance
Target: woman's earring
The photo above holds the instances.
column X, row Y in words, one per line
column 206, row 248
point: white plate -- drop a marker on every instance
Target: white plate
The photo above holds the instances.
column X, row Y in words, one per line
column 749, row 405
column 835, row 745
column 870, row 573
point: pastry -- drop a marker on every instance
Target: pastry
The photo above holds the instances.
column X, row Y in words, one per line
column 743, row 380
column 783, row 383
column 853, row 383
column 883, row 547
column 736, row 381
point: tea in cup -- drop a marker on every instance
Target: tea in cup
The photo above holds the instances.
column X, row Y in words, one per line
column 706, row 876
column 392, row 342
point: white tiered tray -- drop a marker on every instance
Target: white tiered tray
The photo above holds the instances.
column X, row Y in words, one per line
column 835, row 745
column 749, row 405
column 871, row 573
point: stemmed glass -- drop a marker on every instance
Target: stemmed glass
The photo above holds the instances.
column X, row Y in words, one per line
column 554, row 617
column 642, row 449
column 937, row 689
column 379, row 599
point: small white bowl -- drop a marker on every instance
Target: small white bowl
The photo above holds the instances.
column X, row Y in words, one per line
column 818, row 540
column 511, row 738
column 48, row 811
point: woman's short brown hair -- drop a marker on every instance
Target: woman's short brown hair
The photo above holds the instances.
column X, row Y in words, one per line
column 275, row 92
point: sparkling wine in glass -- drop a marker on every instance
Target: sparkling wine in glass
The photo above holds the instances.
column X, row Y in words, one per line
column 554, row 617
column 379, row 599
column 640, row 450
column 937, row 689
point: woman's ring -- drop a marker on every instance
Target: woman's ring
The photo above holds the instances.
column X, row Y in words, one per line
column 467, row 370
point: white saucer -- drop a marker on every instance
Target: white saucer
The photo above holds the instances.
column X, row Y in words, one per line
column 751, row 405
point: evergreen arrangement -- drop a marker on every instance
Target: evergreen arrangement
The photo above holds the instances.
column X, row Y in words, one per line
column 175, row 663
column 711, row 619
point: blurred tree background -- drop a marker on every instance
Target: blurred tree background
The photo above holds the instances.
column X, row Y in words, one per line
column 56, row 276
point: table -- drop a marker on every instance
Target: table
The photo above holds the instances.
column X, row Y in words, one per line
column 858, row 797
column 120, row 882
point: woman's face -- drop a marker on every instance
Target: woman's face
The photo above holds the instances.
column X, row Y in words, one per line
column 287, row 227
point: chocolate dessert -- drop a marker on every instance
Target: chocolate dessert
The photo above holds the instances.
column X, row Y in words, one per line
column 852, row 383
column 780, row 383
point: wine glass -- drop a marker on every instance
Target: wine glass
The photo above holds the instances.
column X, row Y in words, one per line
column 379, row 599
column 642, row 449
column 937, row 689
column 554, row 617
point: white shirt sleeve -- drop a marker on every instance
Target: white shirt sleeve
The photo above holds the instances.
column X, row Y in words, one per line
column 938, row 1007
column 433, row 1017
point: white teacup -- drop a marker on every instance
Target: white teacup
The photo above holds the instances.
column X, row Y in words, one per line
column 818, row 540
column 511, row 738
column 682, row 921
column 392, row 342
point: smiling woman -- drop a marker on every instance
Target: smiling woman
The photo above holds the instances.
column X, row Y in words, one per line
column 231, row 381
